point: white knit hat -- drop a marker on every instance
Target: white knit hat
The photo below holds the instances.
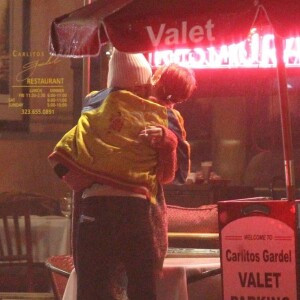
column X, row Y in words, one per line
column 126, row 70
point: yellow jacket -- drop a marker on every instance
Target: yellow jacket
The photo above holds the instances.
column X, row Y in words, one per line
column 105, row 144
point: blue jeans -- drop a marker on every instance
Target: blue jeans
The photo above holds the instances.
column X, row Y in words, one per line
column 114, row 231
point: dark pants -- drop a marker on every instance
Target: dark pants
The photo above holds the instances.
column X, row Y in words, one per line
column 113, row 230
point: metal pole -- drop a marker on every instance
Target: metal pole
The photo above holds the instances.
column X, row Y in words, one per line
column 86, row 68
column 285, row 120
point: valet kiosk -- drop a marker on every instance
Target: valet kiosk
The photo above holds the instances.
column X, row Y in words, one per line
column 258, row 249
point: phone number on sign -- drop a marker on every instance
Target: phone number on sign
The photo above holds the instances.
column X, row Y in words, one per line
column 28, row 111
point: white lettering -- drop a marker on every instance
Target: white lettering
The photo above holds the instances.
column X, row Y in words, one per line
column 181, row 35
column 156, row 40
column 184, row 32
column 172, row 37
column 256, row 52
column 209, row 26
column 292, row 53
column 218, row 58
column 268, row 57
column 197, row 58
column 196, row 34
column 254, row 47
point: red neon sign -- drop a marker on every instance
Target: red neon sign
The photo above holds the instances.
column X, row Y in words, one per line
column 256, row 52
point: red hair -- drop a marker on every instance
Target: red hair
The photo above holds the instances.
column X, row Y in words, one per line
column 174, row 83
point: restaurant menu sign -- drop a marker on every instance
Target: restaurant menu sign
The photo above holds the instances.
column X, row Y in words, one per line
column 33, row 84
column 258, row 257
column 50, row 91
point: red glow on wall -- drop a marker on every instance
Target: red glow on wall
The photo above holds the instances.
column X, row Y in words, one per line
column 256, row 52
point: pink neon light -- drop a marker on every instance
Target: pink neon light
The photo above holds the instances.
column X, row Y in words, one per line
column 256, row 52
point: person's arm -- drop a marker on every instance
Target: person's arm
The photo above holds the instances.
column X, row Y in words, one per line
column 167, row 157
column 165, row 141
column 176, row 125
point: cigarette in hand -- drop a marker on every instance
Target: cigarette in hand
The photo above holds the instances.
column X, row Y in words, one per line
column 144, row 133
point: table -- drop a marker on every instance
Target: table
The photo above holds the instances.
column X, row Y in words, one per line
column 173, row 283
column 27, row 296
column 194, row 195
column 50, row 236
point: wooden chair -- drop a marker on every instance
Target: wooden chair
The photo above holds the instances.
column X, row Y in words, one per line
column 60, row 267
column 41, row 205
column 15, row 245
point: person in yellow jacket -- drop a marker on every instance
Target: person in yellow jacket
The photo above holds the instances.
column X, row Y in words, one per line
column 106, row 146
column 118, row 155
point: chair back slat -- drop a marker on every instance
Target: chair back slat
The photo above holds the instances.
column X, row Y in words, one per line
column 28, row 238
column 18, row 240
column 1, row 247
column 16, row 235
column 7, row 234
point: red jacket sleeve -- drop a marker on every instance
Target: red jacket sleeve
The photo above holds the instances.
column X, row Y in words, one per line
column 167, row 157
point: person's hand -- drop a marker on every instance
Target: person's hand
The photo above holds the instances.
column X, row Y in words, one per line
column 152, row 134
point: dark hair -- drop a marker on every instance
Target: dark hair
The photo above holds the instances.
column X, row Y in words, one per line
column 174, row 83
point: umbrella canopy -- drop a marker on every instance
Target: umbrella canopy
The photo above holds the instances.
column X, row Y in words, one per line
column 149, row 25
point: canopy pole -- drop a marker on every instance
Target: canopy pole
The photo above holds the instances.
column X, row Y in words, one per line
column 86, row 76
column 285, row 120
column 86, row 69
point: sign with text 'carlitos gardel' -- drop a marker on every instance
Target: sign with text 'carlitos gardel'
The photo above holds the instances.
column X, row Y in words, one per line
column 258, row 250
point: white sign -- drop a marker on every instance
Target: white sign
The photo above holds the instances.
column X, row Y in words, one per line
column 257, row 51
column 258, row 260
